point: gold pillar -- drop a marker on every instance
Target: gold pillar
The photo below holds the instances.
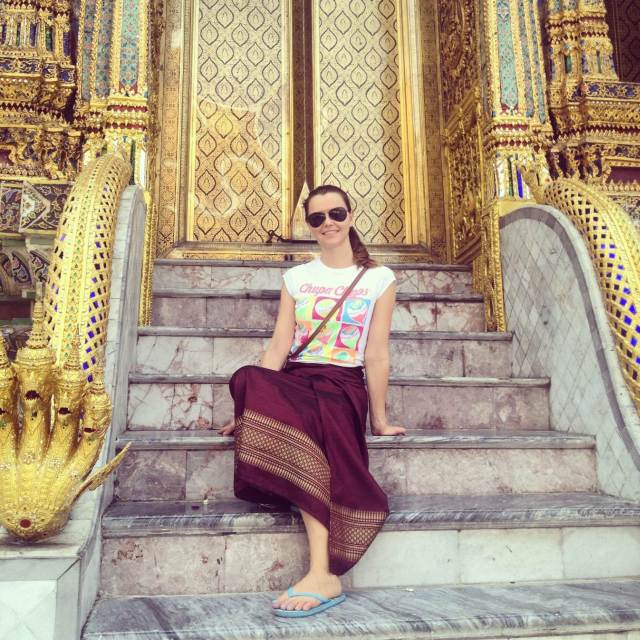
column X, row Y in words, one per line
column 495, row 117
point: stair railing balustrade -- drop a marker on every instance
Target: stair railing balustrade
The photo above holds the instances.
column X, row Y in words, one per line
column 614, row 247
column 79, row 279
column 54, row 408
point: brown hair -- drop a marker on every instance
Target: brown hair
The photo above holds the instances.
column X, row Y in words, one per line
column 360, row 251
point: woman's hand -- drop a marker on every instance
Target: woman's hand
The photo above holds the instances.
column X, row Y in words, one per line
column 228, row 428
column 388, row 430
column 376, row 362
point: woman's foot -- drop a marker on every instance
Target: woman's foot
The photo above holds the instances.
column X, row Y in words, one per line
column 327, row 585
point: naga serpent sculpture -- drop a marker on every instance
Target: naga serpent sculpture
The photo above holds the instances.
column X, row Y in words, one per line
column 52, row 427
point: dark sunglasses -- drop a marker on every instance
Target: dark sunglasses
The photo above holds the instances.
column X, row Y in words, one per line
column 339, row 214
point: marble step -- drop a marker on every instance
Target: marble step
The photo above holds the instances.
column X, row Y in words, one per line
column 199, row 274
column 238, row 309
column 162, row 401
column 204, row 351
column 194, row 466
column 594, row 610
column 407, row 513
column 427, row 540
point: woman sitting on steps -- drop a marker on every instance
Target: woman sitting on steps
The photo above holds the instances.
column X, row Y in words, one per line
column 300, row 430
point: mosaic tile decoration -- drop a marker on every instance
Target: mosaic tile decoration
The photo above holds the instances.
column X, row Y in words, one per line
column 508, row 79
column 538, row 66
column 103, row 61
column 129, row 56
column 86, row 42
column 10, row 199
column 526, row 58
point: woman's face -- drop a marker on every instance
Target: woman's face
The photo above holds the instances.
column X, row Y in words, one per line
column 330, row 233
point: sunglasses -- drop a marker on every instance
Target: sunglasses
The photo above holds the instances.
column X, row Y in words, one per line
column 339, row 214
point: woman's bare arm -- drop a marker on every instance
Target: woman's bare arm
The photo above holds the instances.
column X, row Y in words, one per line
column 376, row 362
column 281, row 340
column 279, row 346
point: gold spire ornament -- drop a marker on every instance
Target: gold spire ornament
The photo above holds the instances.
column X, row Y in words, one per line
column 45, row 459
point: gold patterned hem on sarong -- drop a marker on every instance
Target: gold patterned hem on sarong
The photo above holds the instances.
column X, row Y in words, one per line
column 284, row 451
column 288, row 453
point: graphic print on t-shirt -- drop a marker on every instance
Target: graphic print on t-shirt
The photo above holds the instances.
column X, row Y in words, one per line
column 340, row 338
column 316, row 289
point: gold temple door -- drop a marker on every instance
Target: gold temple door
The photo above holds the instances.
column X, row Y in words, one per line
column 262, row 100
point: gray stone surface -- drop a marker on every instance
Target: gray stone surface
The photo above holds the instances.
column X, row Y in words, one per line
column 415, row 439
column 257, row 309
column 195, row 465
column 554, row 307
column 206, row 351
column 158, row 401
column 437, row 612
column 407, row 513
column 268, row 275
column 197, row 474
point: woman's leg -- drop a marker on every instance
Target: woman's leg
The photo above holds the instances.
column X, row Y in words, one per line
column 319, row 579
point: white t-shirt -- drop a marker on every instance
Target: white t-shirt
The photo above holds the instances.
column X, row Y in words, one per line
column 316, row 288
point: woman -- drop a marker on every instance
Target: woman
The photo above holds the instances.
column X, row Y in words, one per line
column 300, row 431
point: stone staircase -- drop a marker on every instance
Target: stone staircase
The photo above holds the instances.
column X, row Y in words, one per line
column 483, row 493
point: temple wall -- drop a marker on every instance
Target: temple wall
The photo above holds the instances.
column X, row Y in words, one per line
column 623, row 18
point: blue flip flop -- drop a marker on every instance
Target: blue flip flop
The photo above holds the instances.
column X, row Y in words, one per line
column 325, row 603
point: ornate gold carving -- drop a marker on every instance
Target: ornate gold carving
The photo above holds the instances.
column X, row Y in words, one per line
column 489, row 268
column 464, row 170
column 470, row 150
column 186, row 171
column 79, row 283
column 45, row 459
column 155, row 30
column 417, row 228
column 596, row 117
column 37, row 78
column 490, row 129
column 437, row 237
column 166, row 194
column 458, row 52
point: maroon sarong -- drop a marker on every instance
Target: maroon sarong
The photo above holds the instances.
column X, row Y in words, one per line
column 300, row 439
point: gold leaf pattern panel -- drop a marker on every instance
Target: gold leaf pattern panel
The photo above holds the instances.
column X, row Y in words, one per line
column 358, row 129
column 238, row 121
column 167, row 188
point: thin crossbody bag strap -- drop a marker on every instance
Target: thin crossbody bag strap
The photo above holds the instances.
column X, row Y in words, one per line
column 328, row 317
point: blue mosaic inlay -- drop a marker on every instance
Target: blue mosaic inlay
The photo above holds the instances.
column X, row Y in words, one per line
column 526, row 59
column 506, row 56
